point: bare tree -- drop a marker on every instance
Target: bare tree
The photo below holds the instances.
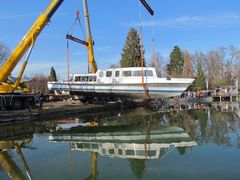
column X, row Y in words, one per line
column 4, row 52
column 234, row 59
column 114, row 66
column 158, row 64
column 39, row 84
column 188, row 70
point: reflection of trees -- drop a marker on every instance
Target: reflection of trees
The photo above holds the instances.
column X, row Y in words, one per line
column 218, row 130
column 183, row 120
column 137, row 167
column 201, row 116
column 181, row 150
column 222, row 128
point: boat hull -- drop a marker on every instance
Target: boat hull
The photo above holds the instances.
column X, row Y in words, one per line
column 132, row 90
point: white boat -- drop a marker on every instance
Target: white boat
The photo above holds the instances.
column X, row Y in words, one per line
column 134, row 82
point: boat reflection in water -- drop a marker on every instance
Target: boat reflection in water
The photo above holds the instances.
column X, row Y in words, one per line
column 131, row 142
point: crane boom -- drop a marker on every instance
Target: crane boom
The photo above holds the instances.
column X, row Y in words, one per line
column 28, row 40
column 91, row 59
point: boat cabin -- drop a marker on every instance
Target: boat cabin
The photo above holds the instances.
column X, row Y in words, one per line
column 115, row 73
column 126, row 72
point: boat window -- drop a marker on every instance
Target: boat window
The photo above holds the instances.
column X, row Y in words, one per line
column 151, row 153
column 92, row 78
column 129, row 152
column 111, row 151
column 109, row 74
column 127, row 73
column 87, row 146
column 117, row 73
column 94, row 146
column 84, row 78
column 77, row 78
column 148, row 73
column 137, row 73
column 80, row 146
column 119, row 152
column 140, row 152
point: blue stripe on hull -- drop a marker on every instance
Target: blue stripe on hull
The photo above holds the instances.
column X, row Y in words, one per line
column 121, row 90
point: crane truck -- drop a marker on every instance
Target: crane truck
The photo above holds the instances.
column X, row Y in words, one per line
column 13, row 93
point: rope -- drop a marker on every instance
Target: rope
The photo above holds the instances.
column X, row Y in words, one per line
column 146, row 94
column 68, row 65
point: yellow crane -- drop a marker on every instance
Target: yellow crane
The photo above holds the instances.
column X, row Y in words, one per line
column 14, row 94
column 25, row 44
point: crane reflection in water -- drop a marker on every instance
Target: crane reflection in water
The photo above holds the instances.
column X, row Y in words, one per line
column 15, row 138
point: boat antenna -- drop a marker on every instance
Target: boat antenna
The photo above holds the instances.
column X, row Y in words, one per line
column 153, row 50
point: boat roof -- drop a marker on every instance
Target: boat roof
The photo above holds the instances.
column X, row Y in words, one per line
column 116, row 69
column 128, row 68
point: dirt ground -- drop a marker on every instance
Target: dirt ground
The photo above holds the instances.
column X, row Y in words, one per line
column 53, row 110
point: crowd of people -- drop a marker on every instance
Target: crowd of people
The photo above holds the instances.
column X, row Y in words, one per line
column 195, row 94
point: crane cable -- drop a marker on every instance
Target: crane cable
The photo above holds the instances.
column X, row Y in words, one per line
column 76, row 22
column 71, row 30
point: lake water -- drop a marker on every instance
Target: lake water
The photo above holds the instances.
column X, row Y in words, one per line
column 133, row 144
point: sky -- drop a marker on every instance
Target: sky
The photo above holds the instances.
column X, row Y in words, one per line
column 193, row 25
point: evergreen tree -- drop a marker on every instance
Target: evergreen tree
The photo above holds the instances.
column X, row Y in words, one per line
column 137, row 167
column 175, row 66
column 52, row 76
column 201, row 78
column 131, row 55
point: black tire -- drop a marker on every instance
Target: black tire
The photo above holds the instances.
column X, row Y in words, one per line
column 17, row 104
column 29, row 103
